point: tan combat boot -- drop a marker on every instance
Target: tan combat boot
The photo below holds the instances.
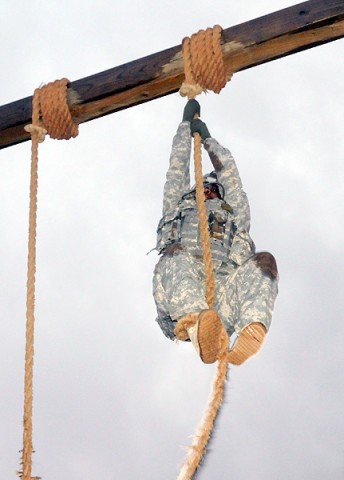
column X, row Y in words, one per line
column 247, row 344
column 204, row 330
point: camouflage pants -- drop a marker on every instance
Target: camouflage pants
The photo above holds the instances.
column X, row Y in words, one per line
column 244, row 294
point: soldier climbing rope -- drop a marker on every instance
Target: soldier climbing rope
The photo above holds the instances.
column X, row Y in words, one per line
column 198, row 224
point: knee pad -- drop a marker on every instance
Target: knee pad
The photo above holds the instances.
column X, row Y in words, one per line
column 267, row 264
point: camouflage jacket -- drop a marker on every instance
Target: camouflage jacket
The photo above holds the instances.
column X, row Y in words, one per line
column 229, row 218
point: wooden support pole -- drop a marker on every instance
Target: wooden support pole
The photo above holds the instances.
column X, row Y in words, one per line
column 252, row 43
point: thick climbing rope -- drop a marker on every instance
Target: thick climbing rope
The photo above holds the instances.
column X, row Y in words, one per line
column 204, row 69
column 50, row 114
column 203, row 222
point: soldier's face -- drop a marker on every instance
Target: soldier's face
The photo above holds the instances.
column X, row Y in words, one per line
column 209, row 193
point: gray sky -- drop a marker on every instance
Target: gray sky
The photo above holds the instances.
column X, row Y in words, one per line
column 113, row 398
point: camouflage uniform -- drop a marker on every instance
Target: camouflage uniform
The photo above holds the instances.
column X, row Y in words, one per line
column 246, row 283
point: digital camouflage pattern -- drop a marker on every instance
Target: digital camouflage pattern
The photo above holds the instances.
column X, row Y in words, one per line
column 245, row 291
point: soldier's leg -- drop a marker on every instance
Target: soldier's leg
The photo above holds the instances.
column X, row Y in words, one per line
column 198, row 323
column 164, row 320
column 183, row 284
column 256, row 284
column 225, row 291
column 178, row 289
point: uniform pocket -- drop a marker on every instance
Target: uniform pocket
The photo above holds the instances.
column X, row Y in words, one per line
column 168, row 230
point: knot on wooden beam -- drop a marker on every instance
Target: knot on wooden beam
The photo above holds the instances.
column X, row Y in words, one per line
column 56, row 117
column 51, row 114
column 203, row 63
column 40, row 132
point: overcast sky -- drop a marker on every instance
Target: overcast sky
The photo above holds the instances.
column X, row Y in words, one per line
column 113, row 398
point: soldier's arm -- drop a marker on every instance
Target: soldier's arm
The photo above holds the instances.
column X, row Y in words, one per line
column 178, row 174
column 228, row 174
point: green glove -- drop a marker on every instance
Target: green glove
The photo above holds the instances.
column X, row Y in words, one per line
column 200, row 127
column 191, row 108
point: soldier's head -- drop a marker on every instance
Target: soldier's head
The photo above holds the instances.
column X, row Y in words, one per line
column 212, row 188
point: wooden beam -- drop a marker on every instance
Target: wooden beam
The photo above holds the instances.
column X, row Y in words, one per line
column 252, row 43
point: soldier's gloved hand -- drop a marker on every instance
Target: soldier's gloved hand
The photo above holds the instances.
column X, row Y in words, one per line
column 190, row 110
column 200, row 127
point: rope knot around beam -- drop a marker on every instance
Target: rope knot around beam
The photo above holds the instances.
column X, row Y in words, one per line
column 51, row 114
column 203, row 63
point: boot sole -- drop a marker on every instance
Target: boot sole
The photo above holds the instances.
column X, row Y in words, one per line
column 247, row 344
column 209, row 332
